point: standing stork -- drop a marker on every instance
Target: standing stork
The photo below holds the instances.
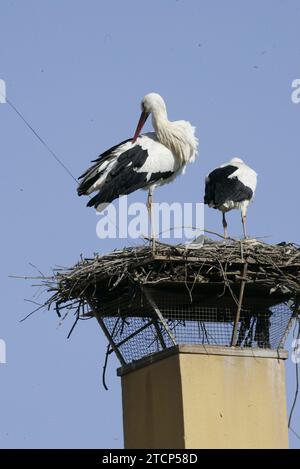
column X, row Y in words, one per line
column 144, row 161
column 231, row 186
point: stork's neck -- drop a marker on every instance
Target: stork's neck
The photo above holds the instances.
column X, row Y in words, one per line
column 173, row 136
column 162, row 127
column 159, row 119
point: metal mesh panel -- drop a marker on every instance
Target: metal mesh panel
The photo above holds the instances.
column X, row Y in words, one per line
column 142, row 344
column 195, row 320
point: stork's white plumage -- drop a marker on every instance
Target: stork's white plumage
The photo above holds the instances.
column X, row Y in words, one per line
column 231, row 186
column 144, row 162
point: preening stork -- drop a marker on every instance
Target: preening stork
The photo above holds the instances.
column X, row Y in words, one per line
column 231, row 186
column 144, row 161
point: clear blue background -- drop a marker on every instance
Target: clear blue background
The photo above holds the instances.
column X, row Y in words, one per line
column 77, row 70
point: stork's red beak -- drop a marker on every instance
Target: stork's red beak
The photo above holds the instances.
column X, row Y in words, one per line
column 143, row 118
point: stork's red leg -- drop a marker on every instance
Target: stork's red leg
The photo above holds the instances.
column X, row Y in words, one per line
column 224, row 223
column 151, row 215
column 244, row 225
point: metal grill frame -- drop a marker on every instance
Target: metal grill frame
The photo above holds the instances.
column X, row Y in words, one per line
column 144, row 310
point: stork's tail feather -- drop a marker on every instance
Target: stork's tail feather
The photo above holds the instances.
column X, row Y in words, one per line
column 81, row 190
column 85, row 185
column 94, row 201
column 88, row 180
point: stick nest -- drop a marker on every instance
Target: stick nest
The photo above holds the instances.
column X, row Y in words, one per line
column 272, row 270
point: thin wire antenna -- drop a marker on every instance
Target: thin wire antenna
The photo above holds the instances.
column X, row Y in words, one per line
column 43, row 142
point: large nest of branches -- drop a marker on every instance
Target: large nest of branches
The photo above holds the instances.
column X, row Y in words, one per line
column 210, row 269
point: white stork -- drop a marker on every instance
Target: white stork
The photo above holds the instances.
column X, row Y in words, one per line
column 231, row 186
column 144, row 161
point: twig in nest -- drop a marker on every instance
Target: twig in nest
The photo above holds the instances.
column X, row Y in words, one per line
column 75, row 322
column 32, row 312
column 105, row 366
column 297, row 379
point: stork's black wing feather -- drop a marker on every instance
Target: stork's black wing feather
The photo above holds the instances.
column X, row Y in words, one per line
column 108, row 152
column 125, row 178
column 219, row 188
column 91, row 175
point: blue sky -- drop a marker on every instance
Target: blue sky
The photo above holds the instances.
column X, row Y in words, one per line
column 77, row 70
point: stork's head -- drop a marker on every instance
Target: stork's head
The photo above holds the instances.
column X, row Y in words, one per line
column 152, row 103
column 236, row 160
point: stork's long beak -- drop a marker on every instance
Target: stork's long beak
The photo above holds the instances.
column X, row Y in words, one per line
column 143, row 118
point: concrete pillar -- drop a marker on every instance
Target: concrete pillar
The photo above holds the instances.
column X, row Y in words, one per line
column 205, row 397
